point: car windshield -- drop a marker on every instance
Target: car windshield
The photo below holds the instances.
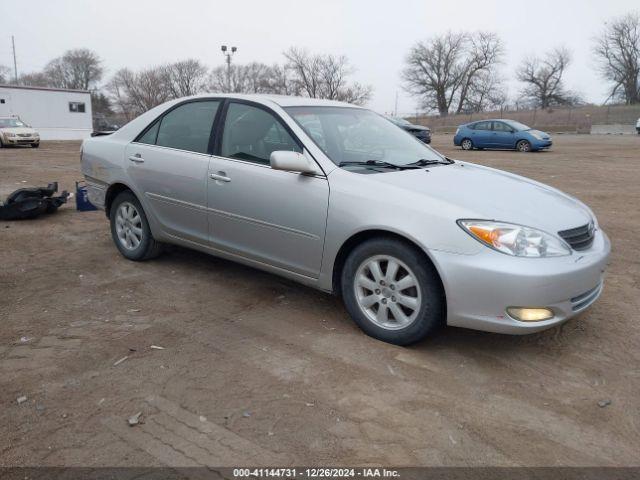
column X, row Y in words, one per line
column 11, row 122
column 349, row 135
column 517, row 126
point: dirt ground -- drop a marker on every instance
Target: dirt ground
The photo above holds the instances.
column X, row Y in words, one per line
column 260, row 370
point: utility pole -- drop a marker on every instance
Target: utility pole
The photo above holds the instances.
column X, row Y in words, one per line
column 395, row 112
column 228, row 56
column 15, row 64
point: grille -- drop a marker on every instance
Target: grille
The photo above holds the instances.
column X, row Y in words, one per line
column 579, row 238
column 587, row 298
column 24, row 134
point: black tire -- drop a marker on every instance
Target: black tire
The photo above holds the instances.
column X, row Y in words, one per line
column 466, row 144
column 523, row 146
column 429, row 316
column 35, row 145
column 148, row 247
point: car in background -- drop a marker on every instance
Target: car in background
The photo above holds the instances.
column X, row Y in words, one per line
column 638, row 126
column 422, row 133
column 501, row 134
column 14, row 131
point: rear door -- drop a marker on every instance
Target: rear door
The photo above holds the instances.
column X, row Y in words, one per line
column 168, row 164
column 270, row 216
column 481, row 134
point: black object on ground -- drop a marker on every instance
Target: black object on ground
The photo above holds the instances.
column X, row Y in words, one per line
column 28, row 203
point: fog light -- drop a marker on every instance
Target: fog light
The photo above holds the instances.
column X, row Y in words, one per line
column 530, row 314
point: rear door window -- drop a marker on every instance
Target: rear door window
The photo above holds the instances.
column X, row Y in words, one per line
column 187, row 127
column 482, row 126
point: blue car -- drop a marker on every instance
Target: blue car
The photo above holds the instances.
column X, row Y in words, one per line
column 501, row 134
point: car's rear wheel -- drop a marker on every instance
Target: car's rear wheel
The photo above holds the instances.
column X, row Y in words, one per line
column 130, row 228
column 466, row 144
column 392, row 292
column 523, row 146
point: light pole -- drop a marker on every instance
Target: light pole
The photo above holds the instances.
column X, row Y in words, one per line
column 228, row 56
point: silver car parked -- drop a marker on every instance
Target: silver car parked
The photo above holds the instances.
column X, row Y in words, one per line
column 336, row 197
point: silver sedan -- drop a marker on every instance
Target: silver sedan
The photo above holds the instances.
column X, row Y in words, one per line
column 336, row 197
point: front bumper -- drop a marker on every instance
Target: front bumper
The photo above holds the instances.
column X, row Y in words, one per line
column 541, row 144
column 20, row 140
column 481, row 287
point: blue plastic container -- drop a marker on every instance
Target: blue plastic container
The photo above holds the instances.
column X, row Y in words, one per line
column 82, row 198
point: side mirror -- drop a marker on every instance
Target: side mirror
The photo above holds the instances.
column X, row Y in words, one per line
column 292, row 162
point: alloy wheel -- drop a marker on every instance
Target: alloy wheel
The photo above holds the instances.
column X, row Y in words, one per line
column 467, row 144
column 387, row 292
column 129, row 226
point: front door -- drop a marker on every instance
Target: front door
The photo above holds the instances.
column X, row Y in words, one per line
column 503, row 135
column 168, row 165
column 270, row 216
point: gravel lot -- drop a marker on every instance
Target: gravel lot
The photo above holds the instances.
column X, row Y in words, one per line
column 259, row 370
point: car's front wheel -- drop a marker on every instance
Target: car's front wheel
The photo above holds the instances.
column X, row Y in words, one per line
column 130, row 228
column 392, row 292
column 523, row 146
column 466, row 144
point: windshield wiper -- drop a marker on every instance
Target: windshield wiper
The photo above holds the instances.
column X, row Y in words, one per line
column 423, row 162
column 378, row 163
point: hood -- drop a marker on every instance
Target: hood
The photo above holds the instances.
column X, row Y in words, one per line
column 18, row 130
column 466, row 190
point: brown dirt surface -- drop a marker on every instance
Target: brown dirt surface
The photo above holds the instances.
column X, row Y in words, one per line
column 260, row 370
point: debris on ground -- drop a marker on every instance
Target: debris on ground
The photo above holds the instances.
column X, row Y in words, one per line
column 25, row 339
column 246, row 414
column 133, row 310
column 203, row 418
column 309, row 404
column 156, row 347
column 135, row 419
column 120, row 361
column 101, row 401
column 26, row 203
column 604, row 403
column 21, row 399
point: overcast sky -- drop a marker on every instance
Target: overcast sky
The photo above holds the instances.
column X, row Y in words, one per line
column 375, row 35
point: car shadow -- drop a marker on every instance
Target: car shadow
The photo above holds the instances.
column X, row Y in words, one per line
column 269, row 287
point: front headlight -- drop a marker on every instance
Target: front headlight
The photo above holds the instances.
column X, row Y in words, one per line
column 536, row 135
column 515, row 240
column 9, row 134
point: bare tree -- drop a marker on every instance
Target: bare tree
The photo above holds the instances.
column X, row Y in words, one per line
column 134, row 93
column 185, row 78
column 444, row 70
column 486, row 93
column 618, row 51
column 79, row 69
column 249, row 78
column 325, row 76
column 35, row 79
column 5, row 74
column 543, row 79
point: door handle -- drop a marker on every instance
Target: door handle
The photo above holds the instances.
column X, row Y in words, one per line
column 137, row 158
column 219, row 177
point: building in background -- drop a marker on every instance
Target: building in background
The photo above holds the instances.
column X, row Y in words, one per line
column 57, row 114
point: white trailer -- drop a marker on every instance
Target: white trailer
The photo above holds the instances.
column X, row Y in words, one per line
column 57, row 114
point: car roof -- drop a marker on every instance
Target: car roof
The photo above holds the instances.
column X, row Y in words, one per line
column 281, row 100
